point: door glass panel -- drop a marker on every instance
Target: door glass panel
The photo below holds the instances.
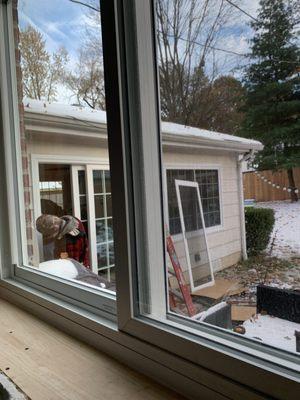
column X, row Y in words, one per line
column 107, row 181
column 101, row 231
column 83, row 207
column 81, row 181
column 108, row 206
column 55, row 189
column 104, row 257
column 98, row 181
column 110, row 234
column 111, row 253
column 99, row 206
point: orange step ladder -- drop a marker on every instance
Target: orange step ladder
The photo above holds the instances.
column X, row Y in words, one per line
column 184, row 288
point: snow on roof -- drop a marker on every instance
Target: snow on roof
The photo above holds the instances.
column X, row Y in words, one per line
column 64, row 110
column 182, row 130
column 168, row 128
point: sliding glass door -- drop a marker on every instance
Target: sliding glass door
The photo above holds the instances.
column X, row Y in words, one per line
column 85, row 192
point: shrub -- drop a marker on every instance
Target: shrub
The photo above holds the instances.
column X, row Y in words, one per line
column 259, row 226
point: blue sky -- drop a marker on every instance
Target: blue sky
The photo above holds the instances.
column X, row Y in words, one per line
column 61, row 22
column 64, row 23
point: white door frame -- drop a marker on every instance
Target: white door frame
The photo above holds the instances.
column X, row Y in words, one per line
column 91, row 211
column 75, row 189
column 76, row 164
column 195, row 185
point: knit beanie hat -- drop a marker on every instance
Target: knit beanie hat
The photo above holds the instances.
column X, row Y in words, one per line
column 51, row 226
column 48, row 225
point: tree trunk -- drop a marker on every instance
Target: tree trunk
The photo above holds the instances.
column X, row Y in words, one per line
column 294, row 196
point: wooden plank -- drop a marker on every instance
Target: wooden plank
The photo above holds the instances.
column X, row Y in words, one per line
column 48, row 364
column 242, row 313
column 221, row 288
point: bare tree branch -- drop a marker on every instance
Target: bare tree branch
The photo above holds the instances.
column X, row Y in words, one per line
column 85, row 5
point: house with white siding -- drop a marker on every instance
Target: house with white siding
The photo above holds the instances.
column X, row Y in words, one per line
column 69, row 174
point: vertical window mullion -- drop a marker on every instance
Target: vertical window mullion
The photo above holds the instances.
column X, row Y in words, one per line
column 134, row 122
column 91, row 217
column 75, row 191
column 11, row 136
column 147, row 144
column 105, row 223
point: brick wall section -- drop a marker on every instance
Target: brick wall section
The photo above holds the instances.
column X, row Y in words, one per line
column 25, row 159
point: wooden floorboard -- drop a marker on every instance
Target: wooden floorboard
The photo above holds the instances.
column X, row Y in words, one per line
column 50, row 365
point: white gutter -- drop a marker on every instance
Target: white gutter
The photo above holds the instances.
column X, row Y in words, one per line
column 247, row 156
column 41, row 122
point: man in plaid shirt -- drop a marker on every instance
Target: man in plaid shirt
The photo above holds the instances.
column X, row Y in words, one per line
column 64, row 237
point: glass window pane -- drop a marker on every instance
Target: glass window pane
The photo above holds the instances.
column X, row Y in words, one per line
column 83, row 208
column 81, row 181
column 98, row 181
column 108, row 206
column 107, row 181
column 216, row 75
column 101, row 231
column 86, row 227
column 61, row 92
column 110, row 233
column 102, row 256
column 99, row 206
column 209, row 197
column 111, row 254
column 55, row 189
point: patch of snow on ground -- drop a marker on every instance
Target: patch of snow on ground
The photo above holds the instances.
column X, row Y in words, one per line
column 274, row 331
column 285, row 239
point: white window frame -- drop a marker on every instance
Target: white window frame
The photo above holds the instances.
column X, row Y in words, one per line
column 178, row 184
column 140, row 69
column 198, row 166
column 101, row 301
column 200, row 361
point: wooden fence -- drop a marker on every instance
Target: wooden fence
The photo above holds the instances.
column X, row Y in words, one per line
column 256, row 188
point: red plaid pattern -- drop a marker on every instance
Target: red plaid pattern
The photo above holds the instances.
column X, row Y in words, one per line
column 77, row 247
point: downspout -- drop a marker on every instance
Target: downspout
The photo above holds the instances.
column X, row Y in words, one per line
column 246, row 157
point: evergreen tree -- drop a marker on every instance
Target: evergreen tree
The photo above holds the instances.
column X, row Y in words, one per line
column 273, row 89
